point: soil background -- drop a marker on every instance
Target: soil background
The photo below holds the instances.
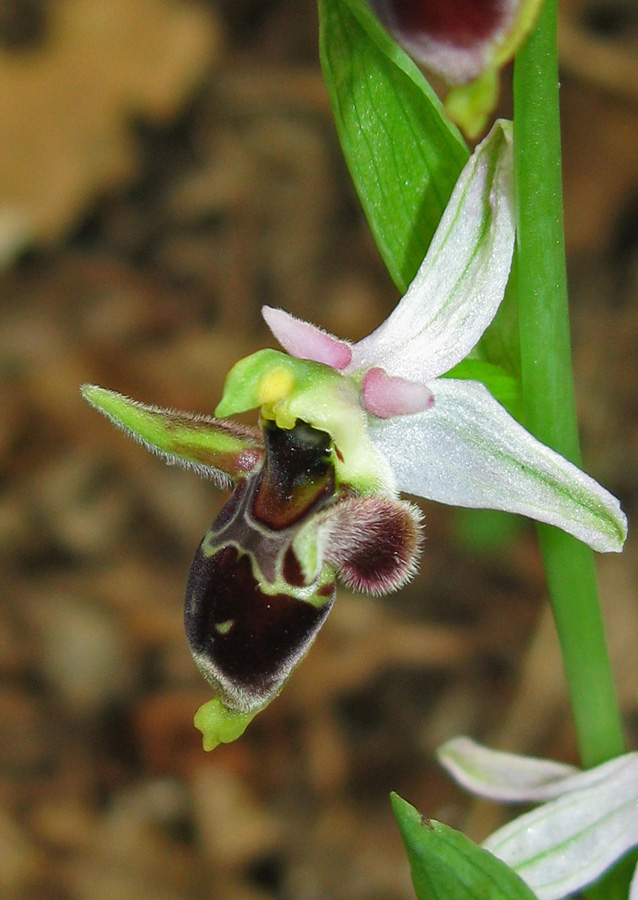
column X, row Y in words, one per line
column 166, row 168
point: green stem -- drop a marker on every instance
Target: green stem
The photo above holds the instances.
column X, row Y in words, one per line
column 548, row 397
column 548, row 386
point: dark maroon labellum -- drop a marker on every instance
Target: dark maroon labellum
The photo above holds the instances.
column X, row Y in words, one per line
column 252, row 605
column 252, row 636
column 245, row 626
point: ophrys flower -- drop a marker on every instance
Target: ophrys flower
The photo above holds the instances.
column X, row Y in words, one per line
column 343, row 429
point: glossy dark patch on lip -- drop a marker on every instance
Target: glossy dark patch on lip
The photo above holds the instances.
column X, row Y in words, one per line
column 297, row 478
column 461, row 23
column 267, row 634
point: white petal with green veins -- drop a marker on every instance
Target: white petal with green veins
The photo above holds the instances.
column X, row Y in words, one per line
column 568, row 843
column 461, row 282
column 468, row 451
column 505, row 777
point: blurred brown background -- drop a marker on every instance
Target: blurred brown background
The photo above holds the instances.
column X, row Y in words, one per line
column 166, row 167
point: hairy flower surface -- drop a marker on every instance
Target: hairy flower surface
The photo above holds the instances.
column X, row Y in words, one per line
column 343, row 429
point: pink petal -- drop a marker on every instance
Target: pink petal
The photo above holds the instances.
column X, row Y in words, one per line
column 386, row 396
column 307, row 341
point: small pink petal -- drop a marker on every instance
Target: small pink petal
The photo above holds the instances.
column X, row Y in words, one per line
column 307, row 341
column 385, row 395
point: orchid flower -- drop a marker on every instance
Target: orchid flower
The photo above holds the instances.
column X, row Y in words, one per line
column 445, row 439
column 464, row 43
column 344, row 428
column 589, row 822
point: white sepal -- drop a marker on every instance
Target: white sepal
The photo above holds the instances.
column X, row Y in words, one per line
column 504, row 777
column 468, row 451
column 462, row 279
column 570, row 842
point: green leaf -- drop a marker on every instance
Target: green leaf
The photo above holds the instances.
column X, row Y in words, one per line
column 500, row 343
column 446, row 865
column 404, row 155
column 485, row 532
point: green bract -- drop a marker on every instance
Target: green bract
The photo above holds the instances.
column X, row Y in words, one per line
column 446, row 864
column 403, row 153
